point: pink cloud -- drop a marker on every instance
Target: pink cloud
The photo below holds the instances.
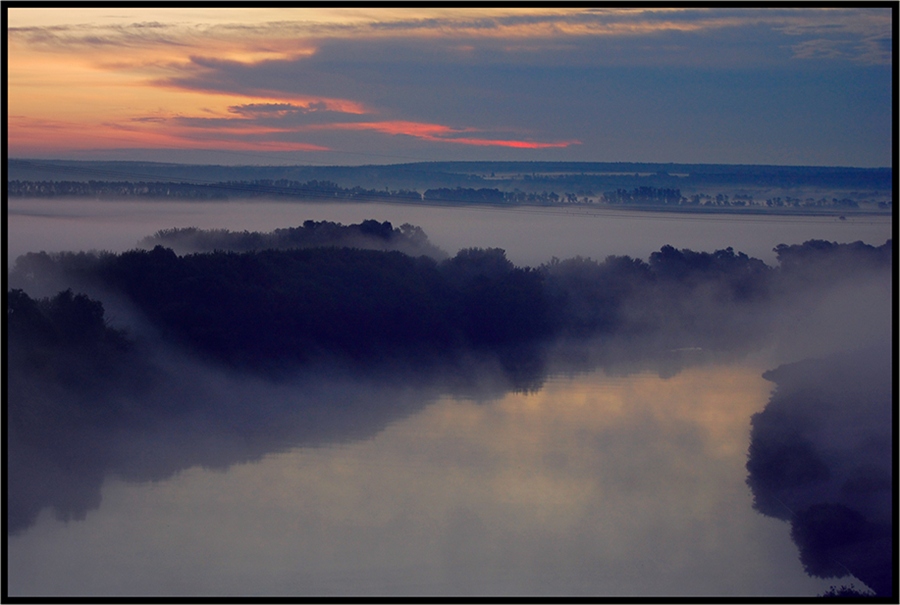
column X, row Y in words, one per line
column 443, row 134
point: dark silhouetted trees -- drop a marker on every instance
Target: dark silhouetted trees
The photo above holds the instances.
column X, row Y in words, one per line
column 65, row 321
column 820, row 457
column 287, row 301
column 370, row 235
column 298, row 304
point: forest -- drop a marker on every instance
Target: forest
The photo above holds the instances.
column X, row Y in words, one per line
column 256, row 300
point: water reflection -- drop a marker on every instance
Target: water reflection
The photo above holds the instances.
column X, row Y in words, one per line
column 171, row 415
column 821, row 458
column 595, row 484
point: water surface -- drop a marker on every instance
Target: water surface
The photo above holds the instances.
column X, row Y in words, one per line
column 595, row 485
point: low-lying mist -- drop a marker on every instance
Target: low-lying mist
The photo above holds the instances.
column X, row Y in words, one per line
column 530, row 235
column 214, row 347
column 821, row 458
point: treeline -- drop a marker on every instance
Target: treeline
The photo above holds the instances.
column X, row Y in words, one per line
column 65, row 344
column 644, row 195
column 484, row 195
column 552, row 176
column 264, row 307
column 216, row 191
column 65, row 366
column 300, row 305
column 328, row 190
column 369, row 234
column 318, row 190
column 63, row 322
column 649, row 195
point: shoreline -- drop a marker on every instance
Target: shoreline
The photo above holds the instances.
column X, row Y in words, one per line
column 658, row 209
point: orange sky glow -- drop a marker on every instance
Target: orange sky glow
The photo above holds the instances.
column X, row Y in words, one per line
column 427, row 81
column 74, row 92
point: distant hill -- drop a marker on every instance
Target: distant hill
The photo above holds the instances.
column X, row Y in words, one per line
column 432, row 174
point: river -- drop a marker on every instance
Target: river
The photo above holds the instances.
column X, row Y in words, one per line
column 603, row 482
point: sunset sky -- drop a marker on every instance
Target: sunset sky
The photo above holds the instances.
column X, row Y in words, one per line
column 375, row 85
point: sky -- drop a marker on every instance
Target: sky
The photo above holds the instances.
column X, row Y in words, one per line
column 368, row 85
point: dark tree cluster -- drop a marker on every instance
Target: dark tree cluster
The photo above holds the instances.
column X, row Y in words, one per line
column 266, row 305
column 64, row 340
column 252, row 308
column 63, row 365
column 679, row 299
column 299, row 304
column 846, row 592
column 85, row 402
column 369, row 234
column 820, row 457
column 819, row 261
column 67, row 325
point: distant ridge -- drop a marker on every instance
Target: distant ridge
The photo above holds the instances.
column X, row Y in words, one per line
column 503, row 175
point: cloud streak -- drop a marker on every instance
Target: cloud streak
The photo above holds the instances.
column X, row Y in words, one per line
column 443, row 134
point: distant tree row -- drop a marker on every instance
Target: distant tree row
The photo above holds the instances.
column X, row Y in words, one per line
column 113, row 189
column 670, row 197
column 643, row 195
column 543, row 198
column 788, row 201
column 228, row 189
column 327, row 190
column 319, row 190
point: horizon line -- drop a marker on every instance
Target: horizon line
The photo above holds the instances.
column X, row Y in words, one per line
column 321, row 165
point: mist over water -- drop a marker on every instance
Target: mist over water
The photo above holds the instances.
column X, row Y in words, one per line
column 594, row 485
column 618, row 468
column 530, row 236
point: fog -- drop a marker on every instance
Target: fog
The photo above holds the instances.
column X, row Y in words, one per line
column 607, row 457
column 825, row 465
column 530, row 236
column 599, row 485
